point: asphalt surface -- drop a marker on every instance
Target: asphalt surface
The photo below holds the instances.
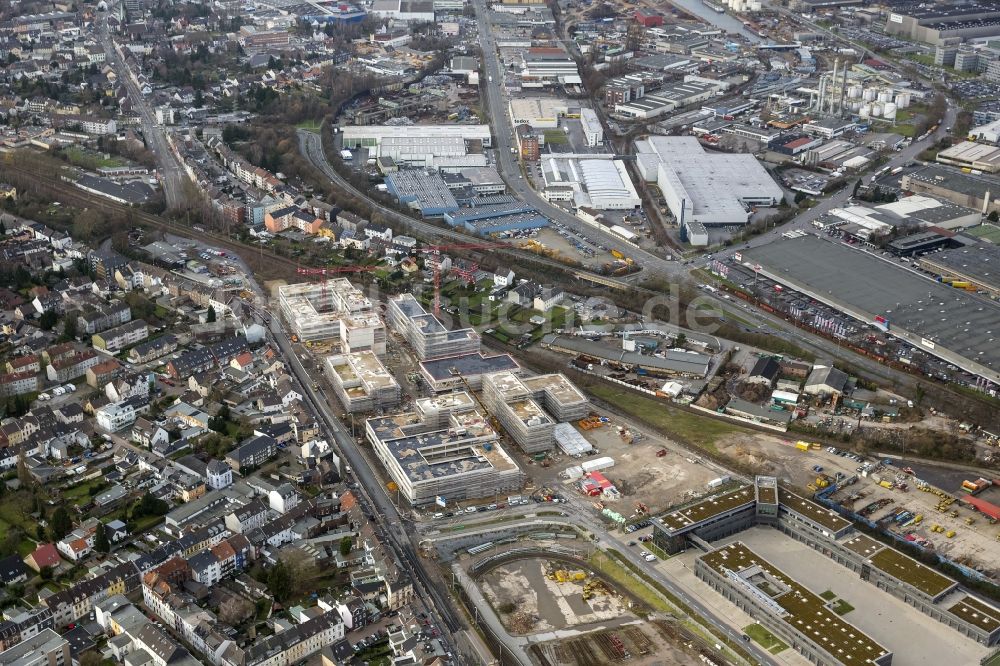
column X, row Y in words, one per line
column 172, row 174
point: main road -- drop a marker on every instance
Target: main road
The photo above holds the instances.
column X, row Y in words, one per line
column 172, row 173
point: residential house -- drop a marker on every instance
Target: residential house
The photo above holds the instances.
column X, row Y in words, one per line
column 153, row 349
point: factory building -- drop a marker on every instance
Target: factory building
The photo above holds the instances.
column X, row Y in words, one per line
column 425, row 334
column 361, row 382
column 517, row 404
column 485, row 219
column 708, row 188
column 964, row 189
column 601, row 183
column 940, row 24
column 548, row 66
column 371, row 136
column 670, row 98
column 539, row 112
column 593, row 131
column 332, row 309
column 975, row 156
column 426, row 193
column 443, row 453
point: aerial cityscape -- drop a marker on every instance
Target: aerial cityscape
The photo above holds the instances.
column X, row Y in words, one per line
column 499, row 332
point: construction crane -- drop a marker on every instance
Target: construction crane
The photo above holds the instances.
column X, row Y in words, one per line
column 437, row 250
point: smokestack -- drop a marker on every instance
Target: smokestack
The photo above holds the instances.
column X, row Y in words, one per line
column 843, row 88
column 833, row 82
column 822, row 93
column 986, row 202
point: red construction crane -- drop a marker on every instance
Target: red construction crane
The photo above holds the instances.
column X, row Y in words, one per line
column 437, row 249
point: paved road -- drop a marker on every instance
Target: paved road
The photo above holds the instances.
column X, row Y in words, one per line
column 172, row 174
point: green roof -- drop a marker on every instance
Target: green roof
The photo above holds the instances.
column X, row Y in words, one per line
column 908, row 570
column 817, row 513
column 708, row 508
column 976, row 613
column 806, row 613
column 864, row 546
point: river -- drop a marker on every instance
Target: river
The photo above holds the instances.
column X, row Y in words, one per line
column 724, row 21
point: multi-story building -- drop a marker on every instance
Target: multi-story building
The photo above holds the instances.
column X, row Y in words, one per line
column 252, row 452
column 19, row 383
column 72, row 367
column 514, row 401
column 443, row 451
column 47, row 648
column 115, row 339
column 425, row 333
column 148, row 351
column 333, row 309
column 104, row 317
column 361, row 382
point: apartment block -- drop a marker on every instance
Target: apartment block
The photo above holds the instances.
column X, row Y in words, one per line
column 361, row 382
column 428, row 337
column 333, row 309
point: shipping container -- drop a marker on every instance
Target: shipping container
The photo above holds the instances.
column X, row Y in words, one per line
column 597, row 464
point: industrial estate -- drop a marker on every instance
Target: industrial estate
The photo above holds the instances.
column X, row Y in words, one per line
column 499, row 332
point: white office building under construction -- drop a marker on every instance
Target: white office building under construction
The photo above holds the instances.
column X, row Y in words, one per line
column 332, row 309
column 517, row 403
column 428, row 337
column 361, row 382
column 445, row 449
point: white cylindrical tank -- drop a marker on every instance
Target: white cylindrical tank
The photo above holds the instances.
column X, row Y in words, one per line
column 876, row 110
column 902, row 100
column 854, row 92
column 855, row 107
column 865, row 110
column 885, row 96
column 889, row 111
column 869, row 94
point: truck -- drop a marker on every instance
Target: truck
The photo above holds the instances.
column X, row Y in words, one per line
column 802, row 446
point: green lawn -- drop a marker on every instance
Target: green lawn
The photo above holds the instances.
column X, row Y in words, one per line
column 80, row 493
column 765, row 638
column 842, row 607
column 609, row 566
column 904, row 130
column 556, row 137
column 684, row 426
column 828, row 595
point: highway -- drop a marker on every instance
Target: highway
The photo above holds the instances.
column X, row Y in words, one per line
column 172, row 173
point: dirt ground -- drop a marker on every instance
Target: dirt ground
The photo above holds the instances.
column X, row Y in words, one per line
column 642, row 644
column 640, row 475
column 528, row 601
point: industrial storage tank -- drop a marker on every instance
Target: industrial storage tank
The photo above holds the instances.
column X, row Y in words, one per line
column 865, row 111
column 889, row 111
column 869, row 94
column 885, row 96
column 855, row 107
column 876, row 110
column 854, row 92
column 902, row 100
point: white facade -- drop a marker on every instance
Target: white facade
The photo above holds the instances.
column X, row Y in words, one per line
column 589, row 181
column 115, row 416
column 592, row 129
column 709, row 188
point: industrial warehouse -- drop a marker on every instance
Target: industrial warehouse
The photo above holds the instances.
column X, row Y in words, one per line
column 599, row 182
column 949, row 323
column 711, row 189
column 785, row 606
column 332, row 309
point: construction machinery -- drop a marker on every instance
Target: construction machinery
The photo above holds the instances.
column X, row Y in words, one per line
column 563, row 576
column 641, row 508
column 661, row 453
column 590, row 422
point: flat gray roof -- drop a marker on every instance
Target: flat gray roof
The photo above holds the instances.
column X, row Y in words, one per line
column 468, row 365
column 691, row 363
column 954, row 179
column 981, row 261
column 868, row 286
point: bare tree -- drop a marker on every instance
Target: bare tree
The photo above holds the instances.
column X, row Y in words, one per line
column 235, row 610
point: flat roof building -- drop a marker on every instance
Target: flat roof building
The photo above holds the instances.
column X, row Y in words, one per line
column 977, row 192
column 424, row 192
column 938, row 319
column 709, row 188
column 361, row 382
column 539, row 112
column 450, row 452
column 425, row 333
column 979, row 265
column 589, row 182
column 969, row 155
column 464, row 370
column 669, row 98
column 332, row 309
column 515, row 402
column 371, row 136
